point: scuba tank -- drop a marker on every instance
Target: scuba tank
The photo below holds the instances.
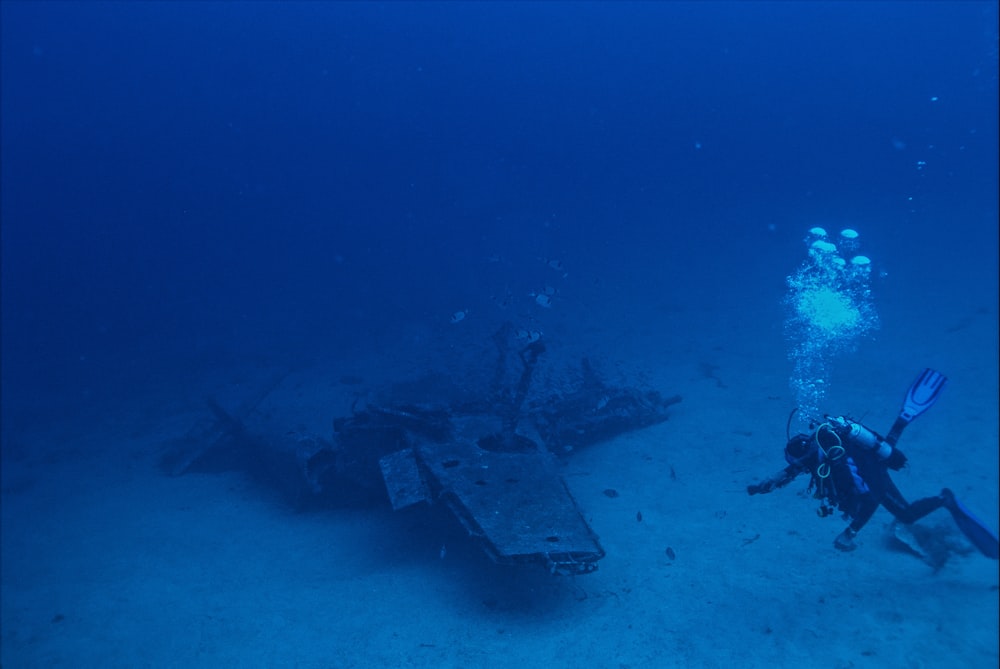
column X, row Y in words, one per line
column 866, row 439
column 919, row 398
column 860, row 436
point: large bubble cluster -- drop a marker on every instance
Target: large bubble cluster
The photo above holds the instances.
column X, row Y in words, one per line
column 830, row 307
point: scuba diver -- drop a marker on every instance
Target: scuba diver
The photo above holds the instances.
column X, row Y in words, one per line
column 849, row 467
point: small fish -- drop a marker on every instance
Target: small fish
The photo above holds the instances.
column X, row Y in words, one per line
column 503, row 301
column 444, row 551
column 638, row 516
column 528, row 336
column 459, row 316
column 554, row 264
column 543, row 300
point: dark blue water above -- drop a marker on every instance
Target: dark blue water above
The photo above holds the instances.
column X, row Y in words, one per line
column 179, row 178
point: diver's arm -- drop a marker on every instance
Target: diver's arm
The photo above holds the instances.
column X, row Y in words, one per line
column 779, row 480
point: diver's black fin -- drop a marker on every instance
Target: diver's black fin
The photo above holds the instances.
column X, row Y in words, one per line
column 919, row 398
column 923, row 393
column 973, row 528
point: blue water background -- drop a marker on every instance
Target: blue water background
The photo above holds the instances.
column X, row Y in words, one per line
column 187, row 182
column 194, row 194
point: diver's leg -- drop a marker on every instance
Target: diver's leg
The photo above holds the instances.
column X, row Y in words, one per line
column 866, row 508
column 864, row 513
column 904, row 511
column 895, row 503
column 976, row 530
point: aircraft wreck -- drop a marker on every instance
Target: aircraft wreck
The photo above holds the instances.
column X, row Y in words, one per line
column 490, row 455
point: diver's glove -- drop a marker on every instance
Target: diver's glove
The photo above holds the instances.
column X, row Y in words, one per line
column 760, row 488
column 896, row 460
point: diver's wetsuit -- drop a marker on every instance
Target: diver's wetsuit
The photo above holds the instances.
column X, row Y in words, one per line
column 856, row 483
column 887, row 494
column 849, row 468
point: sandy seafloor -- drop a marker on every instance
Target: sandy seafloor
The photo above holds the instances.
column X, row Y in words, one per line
column 122, row 566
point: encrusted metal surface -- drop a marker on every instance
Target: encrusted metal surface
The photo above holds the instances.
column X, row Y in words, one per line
column 515, row 502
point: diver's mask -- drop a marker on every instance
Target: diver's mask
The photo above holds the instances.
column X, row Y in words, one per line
column 824, row 446
column 799, row 449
